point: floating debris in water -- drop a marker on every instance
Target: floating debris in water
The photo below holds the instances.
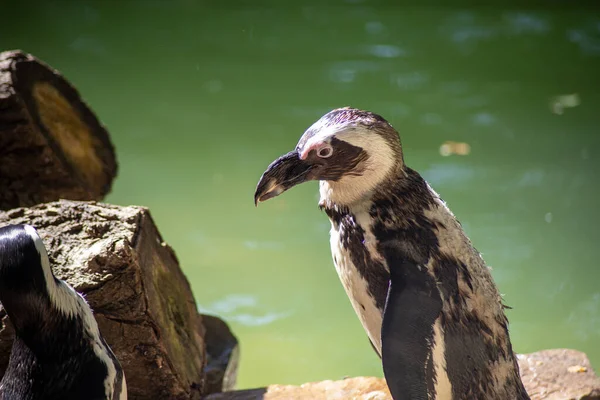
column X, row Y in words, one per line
column 559, row 103
column 459, row 148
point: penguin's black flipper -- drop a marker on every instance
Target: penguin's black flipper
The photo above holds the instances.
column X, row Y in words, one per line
column 413, row 304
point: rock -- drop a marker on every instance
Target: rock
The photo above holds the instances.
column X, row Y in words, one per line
column 51, row 144
column 360, row 388
column 547, row 375
column 141, row 299
column 559, row 374
column 222, row 353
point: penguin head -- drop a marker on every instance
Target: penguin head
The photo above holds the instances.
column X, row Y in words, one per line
column 28, row 288
column 26, row 280
column 350, row 151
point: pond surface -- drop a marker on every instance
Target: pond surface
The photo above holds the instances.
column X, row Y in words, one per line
column 200, row 97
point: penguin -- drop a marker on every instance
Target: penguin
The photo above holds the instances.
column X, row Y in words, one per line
column 422, row 292
column 58, row 352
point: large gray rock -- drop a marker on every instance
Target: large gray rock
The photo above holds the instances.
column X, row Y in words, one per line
column 141, row 299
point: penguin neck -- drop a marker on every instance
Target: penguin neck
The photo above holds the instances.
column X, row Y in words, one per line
column 407, row 192
column 355, row 193
column 44, row 317
column 39, row 326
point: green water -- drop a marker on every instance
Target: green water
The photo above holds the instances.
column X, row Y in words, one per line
column 200, row 97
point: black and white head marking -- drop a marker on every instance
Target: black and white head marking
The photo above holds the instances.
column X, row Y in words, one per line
column 58, row 349
column 362, row 160
column 336, row 151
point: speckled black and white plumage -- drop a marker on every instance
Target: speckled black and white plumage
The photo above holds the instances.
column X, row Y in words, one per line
column 421, row 290
column 58, row 352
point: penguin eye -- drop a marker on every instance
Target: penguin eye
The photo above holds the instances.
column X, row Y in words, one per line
column 325, row 151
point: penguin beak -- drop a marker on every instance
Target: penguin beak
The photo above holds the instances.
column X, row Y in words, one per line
column 284, row 173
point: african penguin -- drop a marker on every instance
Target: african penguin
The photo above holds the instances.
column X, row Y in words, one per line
column 420, row 289
column 58, row 352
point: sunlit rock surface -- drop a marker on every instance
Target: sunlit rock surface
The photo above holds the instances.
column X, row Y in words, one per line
column 359, row 388
column 549, row 375
column 559, row 374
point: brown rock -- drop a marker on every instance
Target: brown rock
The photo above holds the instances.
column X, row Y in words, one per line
column 547, row 375
column 132, row 280
column 51, row 144
column 222, row 353
column 559, row 374
column 360, row 388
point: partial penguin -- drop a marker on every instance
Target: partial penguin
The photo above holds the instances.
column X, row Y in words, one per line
column 58, row 352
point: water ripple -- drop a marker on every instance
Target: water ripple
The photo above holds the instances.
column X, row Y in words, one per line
column 410, row 80
column 256, row 245
column 374, row 27
column 242, row 308
column 584, row 319
column 386, row 51
column 521, row 23
column 347, row 71
column 444, row 173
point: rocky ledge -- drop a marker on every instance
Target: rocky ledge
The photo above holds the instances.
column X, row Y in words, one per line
column 549, row 374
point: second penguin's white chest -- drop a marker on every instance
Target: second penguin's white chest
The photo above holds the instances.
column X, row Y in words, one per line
column 354, row 283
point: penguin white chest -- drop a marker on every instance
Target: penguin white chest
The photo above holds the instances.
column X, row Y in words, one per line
column 356, row 286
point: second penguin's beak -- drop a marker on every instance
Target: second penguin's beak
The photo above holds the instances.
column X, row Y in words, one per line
column 284, row 173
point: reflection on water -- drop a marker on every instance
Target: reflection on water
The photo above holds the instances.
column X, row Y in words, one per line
column 559, row 103
column 586, row 311
column 200, row 97
column 242, row 309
